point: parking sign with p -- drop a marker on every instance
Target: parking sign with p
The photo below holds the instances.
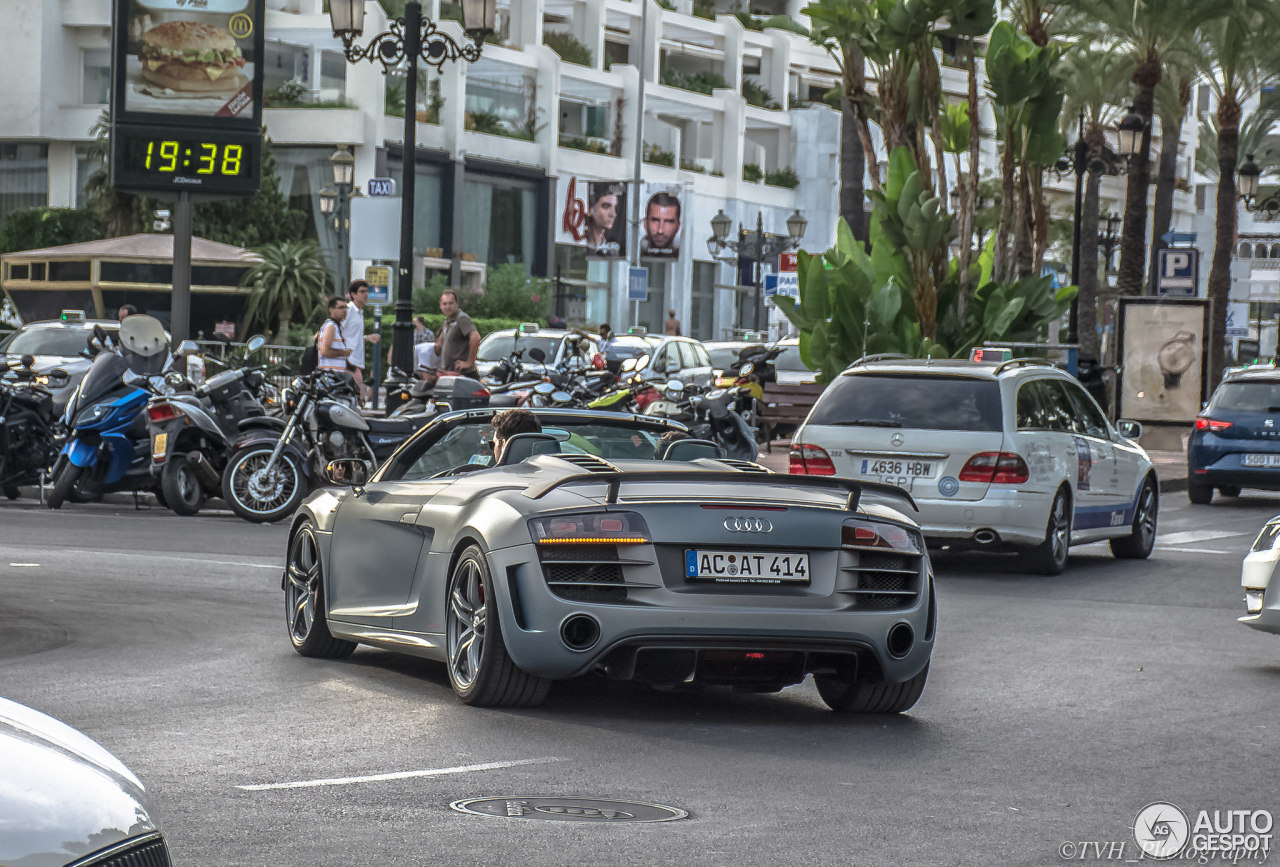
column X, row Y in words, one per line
column 1179, row 272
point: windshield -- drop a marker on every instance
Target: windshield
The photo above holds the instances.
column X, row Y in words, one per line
column 499, row 345
column 628, row 347
column 1259, row 396
column 789, row 359
column 468, row 443
column 919, row 402
column 49, row 341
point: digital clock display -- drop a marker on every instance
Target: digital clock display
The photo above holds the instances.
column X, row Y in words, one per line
column 212, row 162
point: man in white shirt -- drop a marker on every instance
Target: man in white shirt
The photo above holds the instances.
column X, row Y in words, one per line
column 353, row 332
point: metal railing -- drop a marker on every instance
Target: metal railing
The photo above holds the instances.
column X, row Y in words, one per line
column 283, row 361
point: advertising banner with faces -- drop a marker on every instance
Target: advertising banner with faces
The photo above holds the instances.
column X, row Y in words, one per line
column 592, row 214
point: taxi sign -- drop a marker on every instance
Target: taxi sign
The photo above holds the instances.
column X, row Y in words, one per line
column 639, row 330
column 72, row 316
column 990, row 355
column 529, row 327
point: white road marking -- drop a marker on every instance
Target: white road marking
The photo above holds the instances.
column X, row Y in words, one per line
column 1182, row 550
column 400, row 775
column 1200, row 536
column 134, row 554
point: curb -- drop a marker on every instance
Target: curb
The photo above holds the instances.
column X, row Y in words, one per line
column 1173, row 485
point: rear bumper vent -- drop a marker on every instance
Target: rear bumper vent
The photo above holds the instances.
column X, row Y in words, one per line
column 884, row 581
column 583, row 573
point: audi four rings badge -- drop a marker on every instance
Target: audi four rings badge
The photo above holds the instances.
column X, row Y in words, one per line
column 748, row 525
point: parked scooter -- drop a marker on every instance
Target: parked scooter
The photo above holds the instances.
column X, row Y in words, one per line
column 449, row 391
column 272, row 470
column 631, row 392
column 709, row 416
column 28, row 440
column 107, row 447
column 193, row 427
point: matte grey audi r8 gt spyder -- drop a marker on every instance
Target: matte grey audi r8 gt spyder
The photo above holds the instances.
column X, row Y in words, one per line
column 598, row 546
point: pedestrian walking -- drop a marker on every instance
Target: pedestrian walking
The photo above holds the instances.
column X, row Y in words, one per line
column 354, row 336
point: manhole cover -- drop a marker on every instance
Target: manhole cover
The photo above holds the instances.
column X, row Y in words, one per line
column 568, row 809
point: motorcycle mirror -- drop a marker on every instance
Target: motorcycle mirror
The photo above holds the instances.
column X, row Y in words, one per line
column 131, row 377
column 58, row 378
column 28, row 360
column 628, row 364
column 347, row 472
column 544, row 388
column 642, row 362
column 256, row 342
column 561, row 396
column 746, row 369
column 100, row 334
column 675, row 385
column 537, row 354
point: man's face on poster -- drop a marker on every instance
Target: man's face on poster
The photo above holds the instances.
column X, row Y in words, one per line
column 604, row 212
column 661, row 224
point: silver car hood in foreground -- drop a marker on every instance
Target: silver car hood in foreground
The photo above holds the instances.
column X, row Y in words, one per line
column 62, row 796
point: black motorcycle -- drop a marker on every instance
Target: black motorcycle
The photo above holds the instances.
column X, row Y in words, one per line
column 275, row 465
column 193, row 428
column 448, row 391
column 710, row 416
column 28, row 424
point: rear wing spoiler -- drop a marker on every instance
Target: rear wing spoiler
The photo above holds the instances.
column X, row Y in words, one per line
column 615, row 481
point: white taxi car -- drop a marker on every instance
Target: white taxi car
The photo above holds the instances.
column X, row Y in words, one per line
column 998, row 452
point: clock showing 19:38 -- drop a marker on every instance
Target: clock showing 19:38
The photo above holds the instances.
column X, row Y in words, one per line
column 221, row 162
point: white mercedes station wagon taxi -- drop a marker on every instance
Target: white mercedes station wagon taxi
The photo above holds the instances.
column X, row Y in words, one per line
column 999, row 453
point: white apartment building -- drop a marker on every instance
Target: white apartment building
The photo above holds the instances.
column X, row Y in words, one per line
column 498, row 140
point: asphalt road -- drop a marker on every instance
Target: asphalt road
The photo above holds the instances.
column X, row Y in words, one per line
column 1056, row 709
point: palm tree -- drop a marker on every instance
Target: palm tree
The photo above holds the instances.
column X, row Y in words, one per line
column 1240, row 57
column 1146, row 31
column 292, row 278
column 1095, row 83
column 1173, row 97
column 842, row 27
column 121, row 213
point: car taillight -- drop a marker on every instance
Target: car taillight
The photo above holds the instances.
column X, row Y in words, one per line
column 592, row 528
column 995, row 468
column 807, row 460
column 1211, row 424
column 160, row 412
column 876, row 536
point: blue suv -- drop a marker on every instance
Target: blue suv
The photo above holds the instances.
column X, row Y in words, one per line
column 1236, row 441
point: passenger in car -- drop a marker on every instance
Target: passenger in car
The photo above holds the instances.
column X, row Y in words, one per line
column 508, row 424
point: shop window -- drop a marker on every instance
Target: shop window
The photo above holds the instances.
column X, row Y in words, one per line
column 24, row 176
column 499, row 220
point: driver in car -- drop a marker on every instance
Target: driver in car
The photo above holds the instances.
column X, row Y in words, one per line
column 509, row 423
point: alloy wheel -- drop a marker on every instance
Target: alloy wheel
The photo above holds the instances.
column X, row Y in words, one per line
column 466, row 624
column 302, row 590
column 1060, row 529
column 1146, row 523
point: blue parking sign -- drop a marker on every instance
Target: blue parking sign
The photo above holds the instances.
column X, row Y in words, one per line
column 638, row 284
column 1178, row 272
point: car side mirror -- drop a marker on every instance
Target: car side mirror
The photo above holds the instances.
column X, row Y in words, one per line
column 347, row 472
column 537, row 354
column 1129, row 429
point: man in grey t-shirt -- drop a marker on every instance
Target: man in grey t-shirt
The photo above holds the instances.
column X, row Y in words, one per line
column 459, row 340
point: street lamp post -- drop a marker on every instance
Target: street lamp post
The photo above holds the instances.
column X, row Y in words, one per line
column 1248, row 177
column 756, row 246
column 335, row 205
column 1109, row 238
column 407, row 41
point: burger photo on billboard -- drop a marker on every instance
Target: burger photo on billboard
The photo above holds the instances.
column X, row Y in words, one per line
column 191, row 56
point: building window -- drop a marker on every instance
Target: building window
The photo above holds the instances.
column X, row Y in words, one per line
column 24, row 176
column 285, row 62
column 95, row 86
column 1246, row 250
column 428, row 192
column 1203, row 95
column 499, row 220
column 333, row 76
column 1202, row 197
column 1275, row 251
column 1260, row 251
column 86, row 165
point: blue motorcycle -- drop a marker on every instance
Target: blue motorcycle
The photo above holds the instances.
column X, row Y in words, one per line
column 108, row 443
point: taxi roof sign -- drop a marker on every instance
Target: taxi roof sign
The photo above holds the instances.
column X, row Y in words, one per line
column 72, row 316
column 529, row 327
column 638, row 329
column 990, row 355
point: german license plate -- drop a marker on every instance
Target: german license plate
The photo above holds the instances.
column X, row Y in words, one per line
column 896, row 467
column 1261, row 460
column 746, row 567
column 159, row 445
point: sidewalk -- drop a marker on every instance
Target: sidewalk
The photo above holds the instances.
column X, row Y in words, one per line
column 1170, row 464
